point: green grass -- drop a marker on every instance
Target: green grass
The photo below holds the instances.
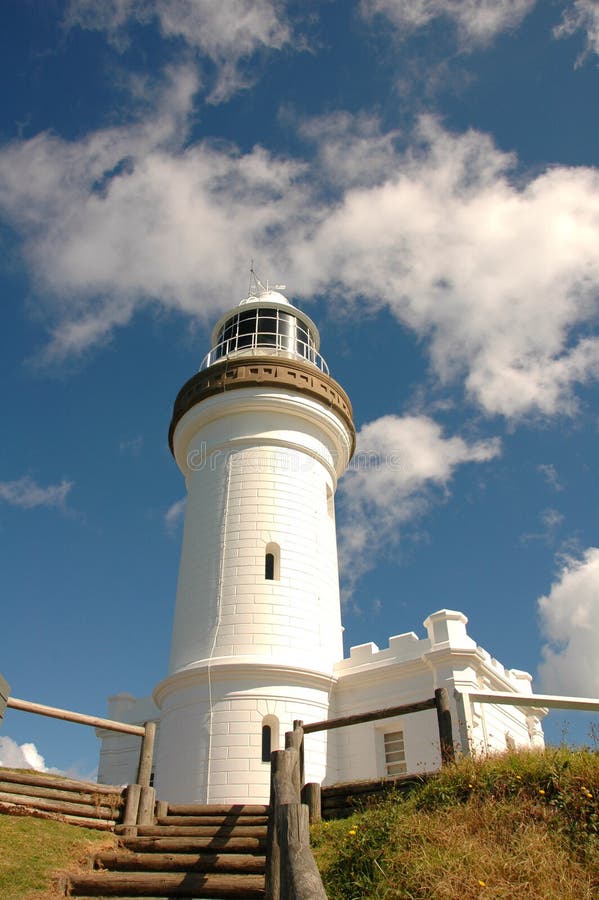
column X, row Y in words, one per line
column 516, row 825
column 33, row 849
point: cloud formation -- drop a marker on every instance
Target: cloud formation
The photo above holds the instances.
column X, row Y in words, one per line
column 174, row 514
column 402, row 465
column 569, row 617
column 27, row 494
column 138, row 218
column 550, row 474
column 496, row 272
column 581, row 15
column 226, row 33
column 477, row 21
column 20, row 756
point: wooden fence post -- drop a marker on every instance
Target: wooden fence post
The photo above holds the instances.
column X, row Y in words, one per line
column 298, row 727
column 465, row 724
column 294, row 740
column 131, row 805
column 4, row 692
column 273, row 851
column 300, row 878
column 146, row 755
column 445, row 729
column 147, row 799
column 161, row 808
column 311, row 797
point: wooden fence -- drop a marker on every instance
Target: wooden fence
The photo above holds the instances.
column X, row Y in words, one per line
column 139, row 797
column 49, row 796
column 291, row 871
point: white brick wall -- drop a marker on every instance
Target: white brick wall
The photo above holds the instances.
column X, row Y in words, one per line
column 232, row 738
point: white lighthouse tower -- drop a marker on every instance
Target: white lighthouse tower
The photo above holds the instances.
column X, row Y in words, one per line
column 261, row 434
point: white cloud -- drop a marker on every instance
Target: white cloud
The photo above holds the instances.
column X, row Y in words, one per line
column 549, row 473
column 136, row 218
column 569, row 617
column 498, row 273
column 550, row 520
column 174, row 514
column 373, row 153
column 495, row 272
column 582, row 15
column 27, row 494
column 401, row 465
column 227, row 33
column 477, row 21
column 20, row 756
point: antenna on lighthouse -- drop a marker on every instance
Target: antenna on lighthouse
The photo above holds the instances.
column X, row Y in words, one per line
column 256, row 288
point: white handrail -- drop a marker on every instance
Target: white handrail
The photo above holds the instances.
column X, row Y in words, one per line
column 550, row 701
column 261, row 343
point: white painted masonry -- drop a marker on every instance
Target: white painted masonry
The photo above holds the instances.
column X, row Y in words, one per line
column 260, row 643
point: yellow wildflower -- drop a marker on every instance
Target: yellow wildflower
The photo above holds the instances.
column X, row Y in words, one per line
column 351, row 831
column 541, row 791
column 482, row 883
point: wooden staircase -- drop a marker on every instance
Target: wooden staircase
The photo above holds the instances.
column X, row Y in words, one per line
column 192, row 850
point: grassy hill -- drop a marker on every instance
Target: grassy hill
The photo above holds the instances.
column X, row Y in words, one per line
column 518, row 825
column 33, row 849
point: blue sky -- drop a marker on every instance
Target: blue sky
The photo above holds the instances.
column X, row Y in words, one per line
column 422, row 174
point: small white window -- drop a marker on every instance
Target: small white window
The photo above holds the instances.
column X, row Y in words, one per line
column 395, row 754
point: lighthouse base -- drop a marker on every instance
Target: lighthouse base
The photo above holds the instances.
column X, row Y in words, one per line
column 219, row 722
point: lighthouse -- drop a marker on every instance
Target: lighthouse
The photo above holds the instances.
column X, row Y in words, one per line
column 261, row 435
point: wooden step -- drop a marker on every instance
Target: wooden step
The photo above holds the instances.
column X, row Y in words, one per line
column 161, row 884
column 235, row 863
column 195, row 844
column 62, row 807
column 217, row 809
column 212, row 820
column 199, row 830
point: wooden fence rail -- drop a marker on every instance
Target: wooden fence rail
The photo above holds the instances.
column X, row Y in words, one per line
column 440, row 702
column 68, row 715
column 140, row 798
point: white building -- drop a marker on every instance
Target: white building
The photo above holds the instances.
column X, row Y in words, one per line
column 262, row 434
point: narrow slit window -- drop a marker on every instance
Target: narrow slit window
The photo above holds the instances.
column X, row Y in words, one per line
column 269, row 567
column 270, row 737
column 266, row 742
column 272, row 562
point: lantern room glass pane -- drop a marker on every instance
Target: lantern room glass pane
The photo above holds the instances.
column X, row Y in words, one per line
column 265, row 327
